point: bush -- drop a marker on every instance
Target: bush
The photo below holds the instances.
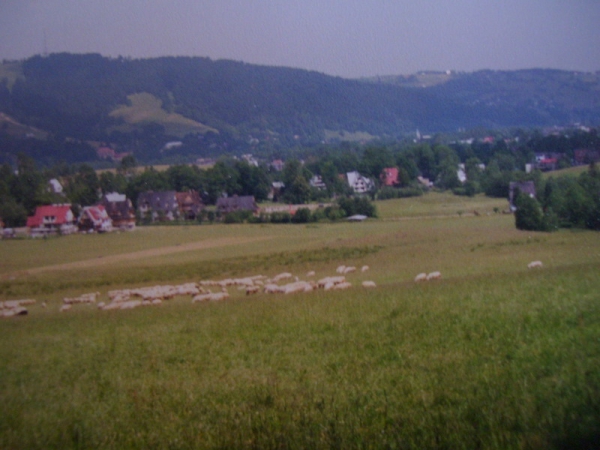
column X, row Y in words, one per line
column 357, row 205
column 302, row 216
column 237, row 217
column 281, row 217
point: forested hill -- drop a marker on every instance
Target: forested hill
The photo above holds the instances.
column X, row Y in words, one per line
column 127, row 101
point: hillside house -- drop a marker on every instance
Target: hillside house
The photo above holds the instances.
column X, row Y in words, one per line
column 586, row 156
column 276, row 190
column 277, row 165
column 94, row 218
column 525, row 187
column 158, row 206
column 51, row 219
column 358, row 183
column 120, row 210
column 389, row 177
column 226, row 205
column 317, row 182
column 190, row 204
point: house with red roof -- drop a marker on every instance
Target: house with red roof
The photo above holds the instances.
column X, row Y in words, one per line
column 51, row 219
column 94, row 218
column 389, row 176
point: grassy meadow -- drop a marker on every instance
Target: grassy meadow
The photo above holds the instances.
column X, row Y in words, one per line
column 493, row 356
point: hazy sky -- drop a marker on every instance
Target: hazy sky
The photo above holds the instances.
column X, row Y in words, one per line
column 349, row 38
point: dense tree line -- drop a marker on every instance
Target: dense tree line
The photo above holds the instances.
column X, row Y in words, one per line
column 565, row 202
column 489, row 170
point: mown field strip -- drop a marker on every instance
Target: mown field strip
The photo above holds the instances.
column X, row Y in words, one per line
column 151, row 253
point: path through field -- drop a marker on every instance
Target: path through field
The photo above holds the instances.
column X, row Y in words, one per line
column 153, row 252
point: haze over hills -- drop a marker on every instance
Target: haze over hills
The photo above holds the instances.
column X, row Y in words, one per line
column 213, row 105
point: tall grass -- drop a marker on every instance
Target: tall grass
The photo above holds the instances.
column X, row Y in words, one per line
column 493, row 356
column 493, row 362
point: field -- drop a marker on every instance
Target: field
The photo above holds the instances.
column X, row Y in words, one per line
column 492, row 356
column 145, row 108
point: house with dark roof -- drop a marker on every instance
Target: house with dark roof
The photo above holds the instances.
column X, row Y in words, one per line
column 586, row 156
column 190, row 204
column 120, row 210
column 226, row 205
column 51, row 219
column 524, row 187
column 158, row 206
column 94, row 218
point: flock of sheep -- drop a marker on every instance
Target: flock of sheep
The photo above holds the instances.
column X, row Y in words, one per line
column 208, row 290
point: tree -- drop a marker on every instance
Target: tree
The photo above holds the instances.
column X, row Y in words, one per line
column 298, row 191
column 83, row 187
column 109, row 182
column 127, row 165
column 529, row 215
column 374, row 160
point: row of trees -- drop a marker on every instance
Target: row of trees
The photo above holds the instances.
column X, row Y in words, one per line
column 22, row 190
column 565, row 202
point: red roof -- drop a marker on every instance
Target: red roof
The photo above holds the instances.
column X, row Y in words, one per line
column 389, row 176
column 97, row 213
column 54, row 214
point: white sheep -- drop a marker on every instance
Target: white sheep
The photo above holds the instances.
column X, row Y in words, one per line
column 65, row 307
column 421, row 277
column 252, row 290
column 349, row 269
column 310, row 273
column 330, row 280
column 282, row 276
column 434, row 276
column 534, row 264
column 364, row 268
column 340, row 269
column 369, row 284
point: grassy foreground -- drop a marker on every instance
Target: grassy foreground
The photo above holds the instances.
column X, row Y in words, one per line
column 492, row 356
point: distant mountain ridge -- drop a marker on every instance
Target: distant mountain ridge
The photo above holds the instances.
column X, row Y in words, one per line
column 76, row 96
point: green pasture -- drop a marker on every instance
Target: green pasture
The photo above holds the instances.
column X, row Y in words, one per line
column 145, row 108
column 493, row 356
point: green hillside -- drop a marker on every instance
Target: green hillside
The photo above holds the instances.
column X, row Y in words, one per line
column 221, row 105
column 145, row 108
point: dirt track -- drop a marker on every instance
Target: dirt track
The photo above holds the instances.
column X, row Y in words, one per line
column 101, row 261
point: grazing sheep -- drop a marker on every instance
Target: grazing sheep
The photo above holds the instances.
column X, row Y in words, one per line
column 344, row 285
column 364, row 268
column 282, row 276
column 310, row 274
column 131, row 304
column 534, row 264
column 330, row 280
column 349, row 269
column 421, row 277
column 434, row 276
column 212, row 297
column 18, row 311
column 65, row 307
column 271, row 288
column 340, row 269
column 12, row 304
column 298, row 286
column 369, row 284
column 252, row 290
column 83, row 298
